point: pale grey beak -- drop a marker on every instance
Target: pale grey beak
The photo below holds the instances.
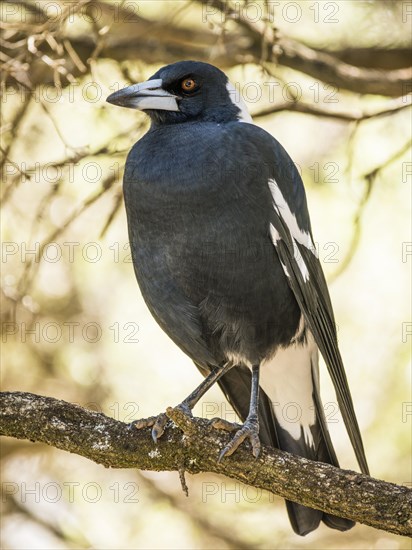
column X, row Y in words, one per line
column 146, row 95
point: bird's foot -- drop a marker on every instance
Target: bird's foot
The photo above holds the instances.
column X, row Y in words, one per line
column 158, row 423
column 249, row 430
column 221, row 424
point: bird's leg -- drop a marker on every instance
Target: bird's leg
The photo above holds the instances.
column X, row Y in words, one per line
column 158, row 423
column 191, row 400
column 250, row 428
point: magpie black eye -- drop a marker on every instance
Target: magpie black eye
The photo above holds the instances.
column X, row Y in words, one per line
column 188, row 85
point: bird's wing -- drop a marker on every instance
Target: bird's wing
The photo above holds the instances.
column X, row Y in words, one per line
column 290, row 231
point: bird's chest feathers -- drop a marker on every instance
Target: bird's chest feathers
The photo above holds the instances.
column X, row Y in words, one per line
column 176, row 183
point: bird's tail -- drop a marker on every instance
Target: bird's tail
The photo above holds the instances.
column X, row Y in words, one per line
column 304, row 519
column 312, row 441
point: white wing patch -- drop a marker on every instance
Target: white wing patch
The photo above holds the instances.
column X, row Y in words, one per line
column 298, row 235
column 237, row 100
column 286, row 378
column 274, row 235
column 300, row 261
column 282, row 208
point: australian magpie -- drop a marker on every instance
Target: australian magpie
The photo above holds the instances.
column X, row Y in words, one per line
column 223, row 252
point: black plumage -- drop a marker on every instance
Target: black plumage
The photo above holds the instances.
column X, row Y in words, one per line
column 223, row 253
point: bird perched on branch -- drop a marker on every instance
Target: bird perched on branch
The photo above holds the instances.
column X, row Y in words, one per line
column 224, row 256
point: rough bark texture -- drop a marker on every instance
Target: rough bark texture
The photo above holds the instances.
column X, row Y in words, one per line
column 192, row 445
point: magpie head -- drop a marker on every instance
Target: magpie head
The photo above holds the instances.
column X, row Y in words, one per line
column 182, row 92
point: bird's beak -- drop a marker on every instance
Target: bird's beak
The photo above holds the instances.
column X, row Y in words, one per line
column 146, row 95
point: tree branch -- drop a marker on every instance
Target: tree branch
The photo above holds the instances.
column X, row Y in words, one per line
column 194, row 445
column 328, row 68
column 132, row 35
column 318, row 64
column 393, row 106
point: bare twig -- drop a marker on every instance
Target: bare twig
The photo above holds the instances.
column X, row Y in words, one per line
column 353, row 115
column 32, row 266
column 369, row 180
column 154, row 40
column 316, row 63
column 15, row 128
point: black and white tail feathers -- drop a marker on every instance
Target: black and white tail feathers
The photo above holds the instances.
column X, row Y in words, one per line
column 236, row 385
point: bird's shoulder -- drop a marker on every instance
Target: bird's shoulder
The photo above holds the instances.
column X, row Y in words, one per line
column 258, row 147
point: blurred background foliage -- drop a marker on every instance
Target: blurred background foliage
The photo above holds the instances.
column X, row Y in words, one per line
column 331, row 81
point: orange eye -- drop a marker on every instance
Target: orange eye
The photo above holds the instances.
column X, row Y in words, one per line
column 188, row 85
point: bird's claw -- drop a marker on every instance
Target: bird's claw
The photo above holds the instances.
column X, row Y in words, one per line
column 157, row 423
column 143, row 423
column 159, row 426
column 249, row 430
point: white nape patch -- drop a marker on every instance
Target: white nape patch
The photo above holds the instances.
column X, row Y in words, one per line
column 282, row 208
column 236, row 98
column 286, row 378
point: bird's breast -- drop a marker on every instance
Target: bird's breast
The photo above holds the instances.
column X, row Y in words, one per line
column 202, row 228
